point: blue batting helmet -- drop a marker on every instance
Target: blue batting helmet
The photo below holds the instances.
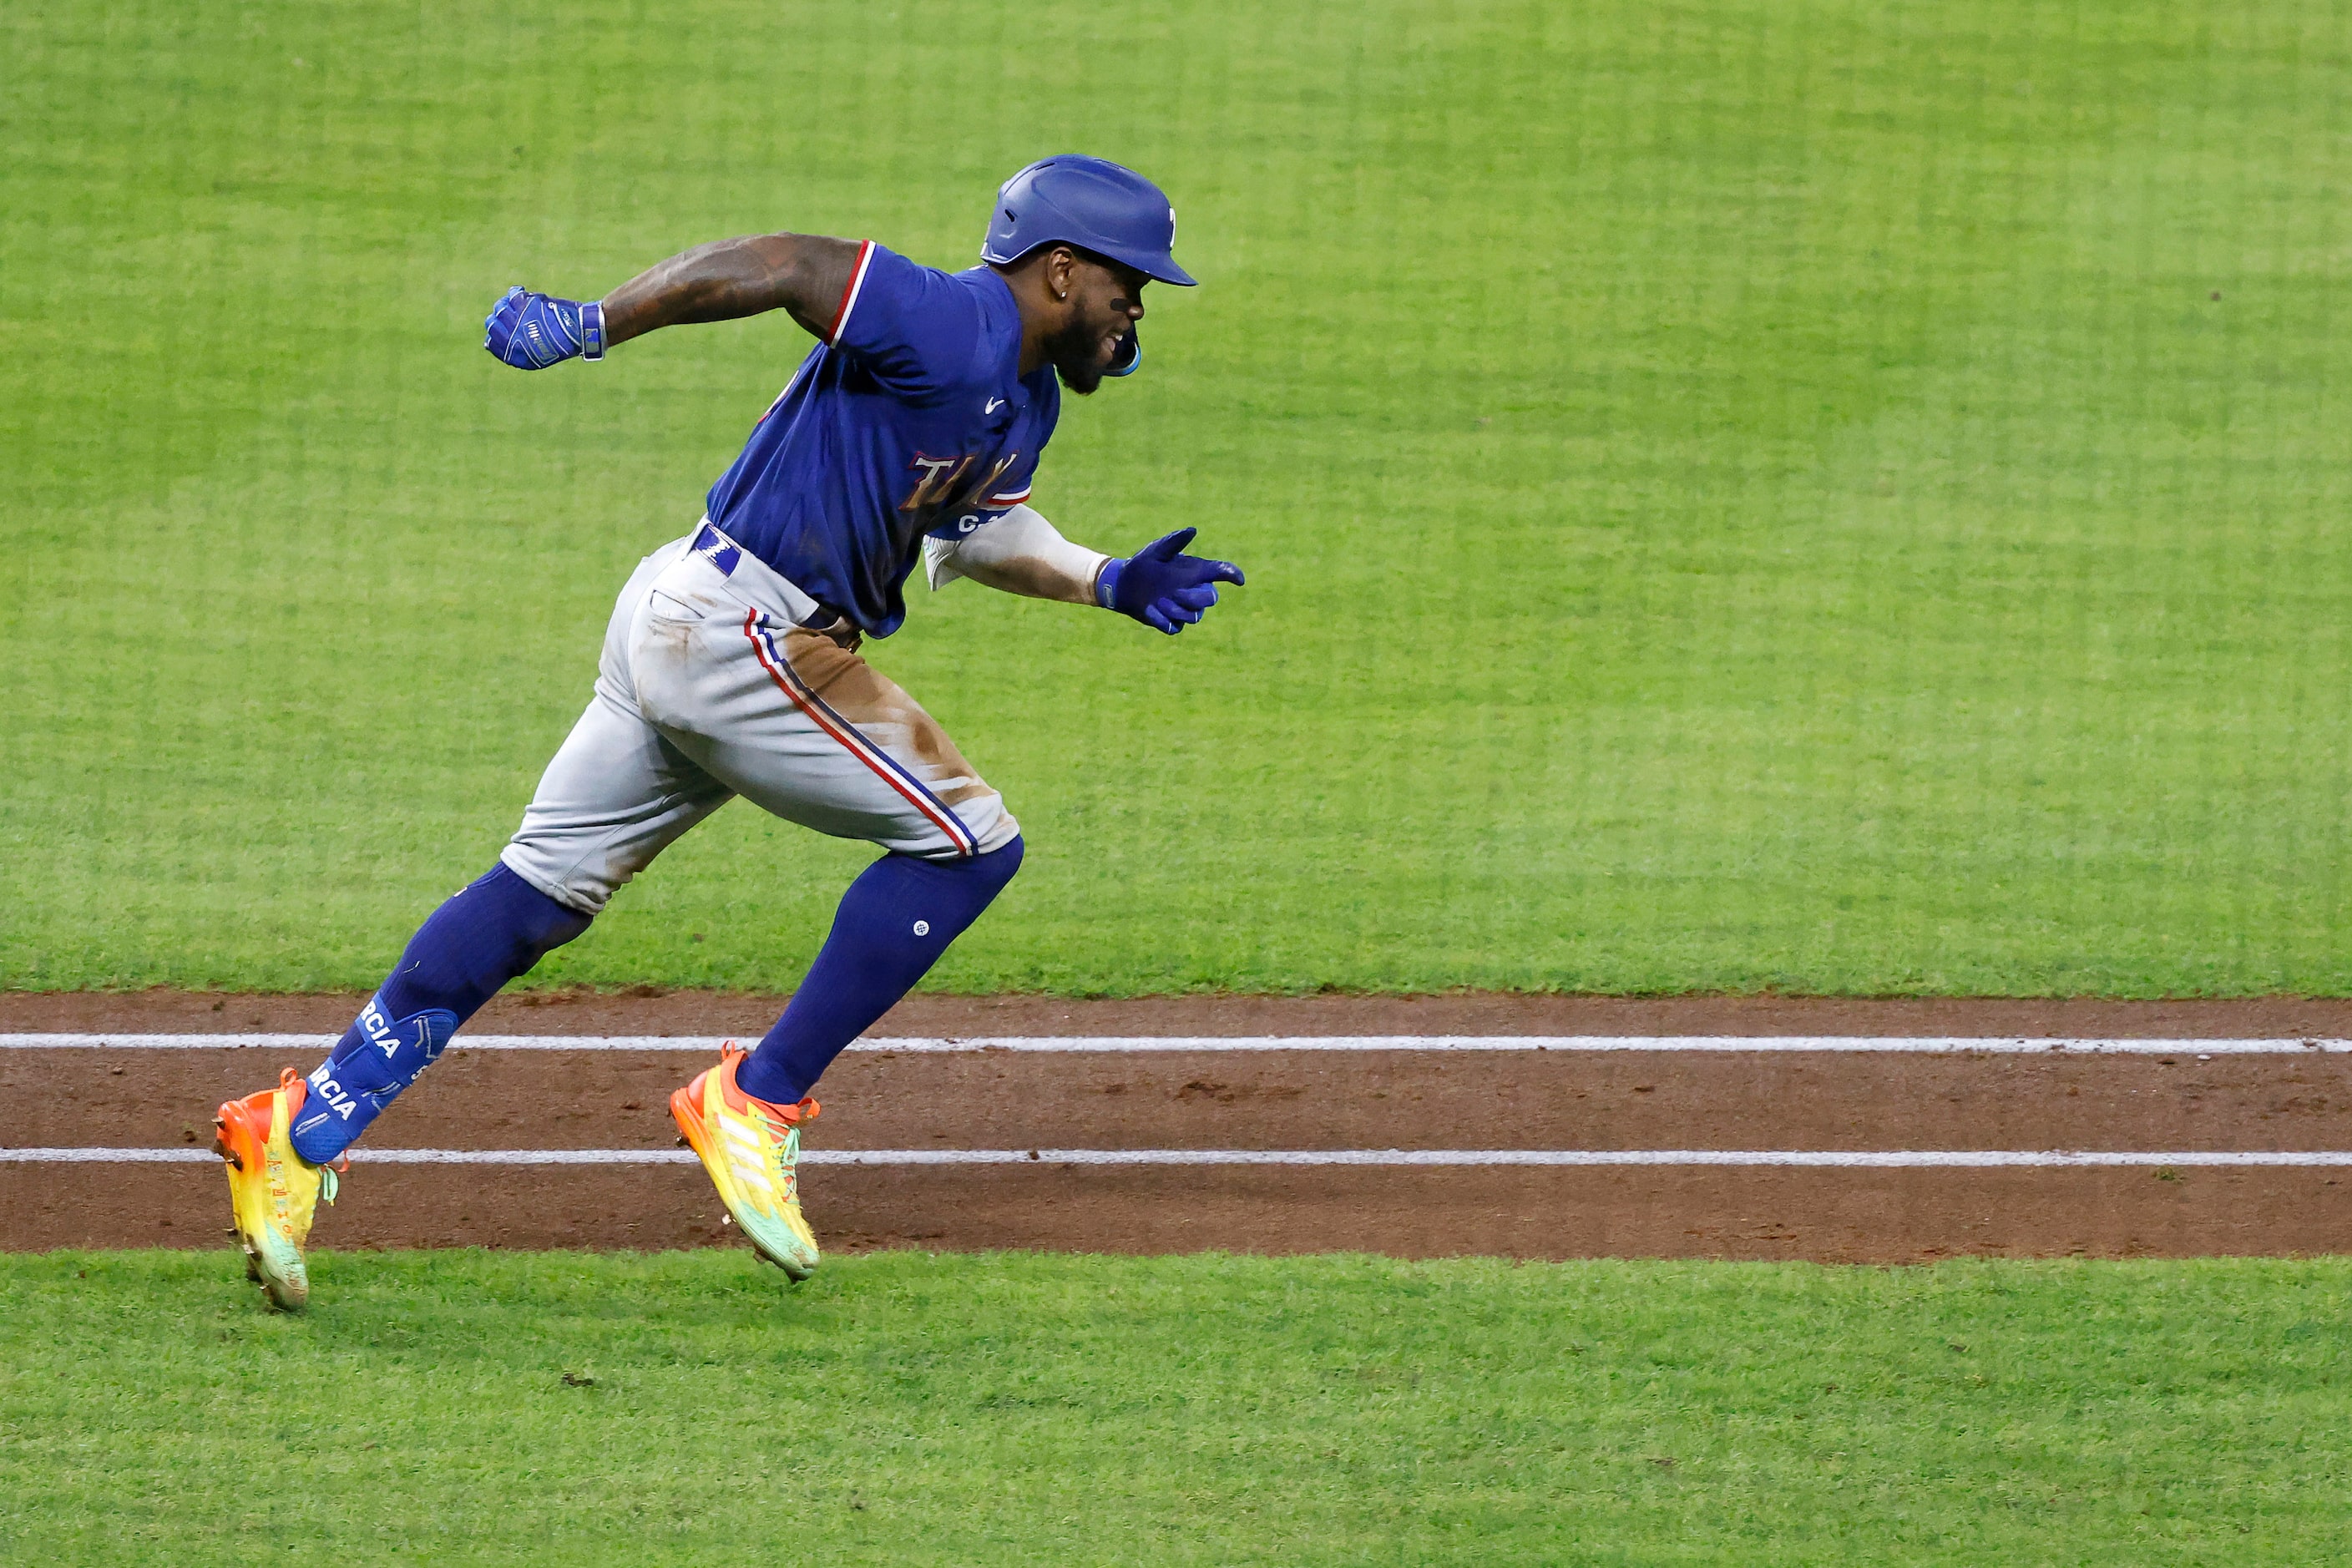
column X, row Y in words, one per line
column 1091, row 203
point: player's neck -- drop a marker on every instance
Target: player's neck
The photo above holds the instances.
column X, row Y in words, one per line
column 1038, row 317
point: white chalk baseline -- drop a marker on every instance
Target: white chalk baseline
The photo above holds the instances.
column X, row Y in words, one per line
column 1947, row 1045
column 1840, row 1159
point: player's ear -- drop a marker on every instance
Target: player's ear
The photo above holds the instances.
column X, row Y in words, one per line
column 1061, row 270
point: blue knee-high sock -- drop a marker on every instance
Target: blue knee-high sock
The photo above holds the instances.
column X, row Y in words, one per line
column 894, row 922
column 485, row 935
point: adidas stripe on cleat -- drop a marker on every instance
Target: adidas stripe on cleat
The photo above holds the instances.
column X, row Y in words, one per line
column 273, row 1192
column 751, row 1149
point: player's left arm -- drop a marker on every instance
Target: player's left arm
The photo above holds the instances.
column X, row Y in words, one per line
column 1021, row 553
column 804, row 275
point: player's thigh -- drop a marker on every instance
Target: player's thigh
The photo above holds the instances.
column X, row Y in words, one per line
column 801, row 725
column 617, row 794
column 612, row 662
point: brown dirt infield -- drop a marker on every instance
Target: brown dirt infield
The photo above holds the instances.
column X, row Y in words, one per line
column 1280, row 1100
column 650, row 1010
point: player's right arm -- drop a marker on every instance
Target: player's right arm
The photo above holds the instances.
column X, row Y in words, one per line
column 806, row 275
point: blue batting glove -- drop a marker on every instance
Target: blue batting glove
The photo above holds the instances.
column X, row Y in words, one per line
column 1161, row 586
column 531, row 331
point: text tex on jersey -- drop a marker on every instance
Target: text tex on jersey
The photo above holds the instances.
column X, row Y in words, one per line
column 911, row 417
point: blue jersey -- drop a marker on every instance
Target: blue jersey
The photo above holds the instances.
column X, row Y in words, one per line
column 911, row 417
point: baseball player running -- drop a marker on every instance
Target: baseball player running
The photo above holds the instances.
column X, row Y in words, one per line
column 730, row 666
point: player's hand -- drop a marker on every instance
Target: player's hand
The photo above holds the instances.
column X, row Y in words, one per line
column 531, row 331
column 1161, row 586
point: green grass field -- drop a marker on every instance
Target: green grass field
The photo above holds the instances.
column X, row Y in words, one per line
column 1846, row 497
column 907, row 1409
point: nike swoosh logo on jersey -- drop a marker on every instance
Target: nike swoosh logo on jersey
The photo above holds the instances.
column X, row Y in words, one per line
column 994, row 405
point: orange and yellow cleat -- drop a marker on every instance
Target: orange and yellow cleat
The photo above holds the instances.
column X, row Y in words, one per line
column 273, row 1191
column 752, row 1150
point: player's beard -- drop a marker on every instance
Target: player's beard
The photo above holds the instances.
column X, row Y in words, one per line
column 1073, row 353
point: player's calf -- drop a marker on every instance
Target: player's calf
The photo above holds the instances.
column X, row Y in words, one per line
column 894, row 922
column 379, row 1056
column 493, row 929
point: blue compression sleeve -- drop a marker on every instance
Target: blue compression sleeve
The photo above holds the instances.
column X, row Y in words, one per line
column 894, row 922
column 485, row 935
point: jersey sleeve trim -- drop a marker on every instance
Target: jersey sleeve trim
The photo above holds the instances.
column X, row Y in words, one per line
column 849, row 290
